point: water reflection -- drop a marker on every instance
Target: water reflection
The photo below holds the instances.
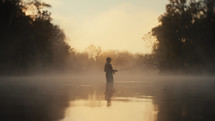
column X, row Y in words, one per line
column 109, row 92
column 82, row 100
column 30, row 100
column 185, row 100
column 123, row 109
column 106, row 107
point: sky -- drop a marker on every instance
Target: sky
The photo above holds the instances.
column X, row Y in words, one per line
column 110, row 24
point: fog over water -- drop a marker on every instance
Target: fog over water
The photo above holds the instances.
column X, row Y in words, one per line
column 88, row 97
column 42, row 77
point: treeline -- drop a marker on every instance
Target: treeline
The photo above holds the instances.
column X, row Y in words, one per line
column 94, row 59
column 186, row 37
column 29, row 41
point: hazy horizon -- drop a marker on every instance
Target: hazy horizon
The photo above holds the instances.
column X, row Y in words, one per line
column 112, row 25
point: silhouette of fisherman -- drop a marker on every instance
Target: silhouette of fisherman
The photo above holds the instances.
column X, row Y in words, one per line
column 109, row 70
column 109, row 79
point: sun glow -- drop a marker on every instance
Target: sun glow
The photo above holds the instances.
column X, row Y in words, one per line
column 132, row 109
column 112, row 25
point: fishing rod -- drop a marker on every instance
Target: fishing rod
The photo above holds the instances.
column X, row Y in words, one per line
column 128, row 68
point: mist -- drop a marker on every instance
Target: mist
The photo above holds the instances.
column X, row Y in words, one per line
column 43, row 78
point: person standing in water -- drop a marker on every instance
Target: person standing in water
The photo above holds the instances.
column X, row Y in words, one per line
column 109, row 70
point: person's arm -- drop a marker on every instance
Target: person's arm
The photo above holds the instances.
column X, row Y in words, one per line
column 113, row 70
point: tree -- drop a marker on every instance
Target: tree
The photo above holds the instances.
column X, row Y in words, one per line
column 186, row 35
column 93, row 52
column 27, row 41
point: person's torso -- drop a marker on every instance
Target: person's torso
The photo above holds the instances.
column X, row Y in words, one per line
column 108, row 68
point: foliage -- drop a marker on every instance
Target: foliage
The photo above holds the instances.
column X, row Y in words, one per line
column 94, row 58
column 186, row 36
column 29, row 41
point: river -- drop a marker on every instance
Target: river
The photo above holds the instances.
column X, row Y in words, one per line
column 162, row 98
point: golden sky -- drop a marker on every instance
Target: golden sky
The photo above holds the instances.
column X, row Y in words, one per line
column 110, row 24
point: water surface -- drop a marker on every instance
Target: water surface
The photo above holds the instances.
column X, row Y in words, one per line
column 73, row 99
